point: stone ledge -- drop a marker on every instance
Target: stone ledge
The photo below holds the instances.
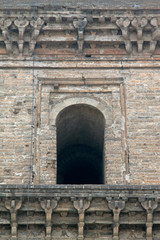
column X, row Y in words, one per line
column 136, row 4
column 78, row 64
column 120, row 191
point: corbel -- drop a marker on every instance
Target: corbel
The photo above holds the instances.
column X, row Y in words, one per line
column 102, row 19
column 155, row 23
column 13, row 206
column 149, row 206
column 116, row 206
column 48, row 206
column 139, row 24
column 80, row 25
column 123, row 24
column 59, row 19
column 37, row 25
column 4, row 25
column 81, row 205
column 21, row 23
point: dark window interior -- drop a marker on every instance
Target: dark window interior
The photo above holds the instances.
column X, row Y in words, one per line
column 80, row 137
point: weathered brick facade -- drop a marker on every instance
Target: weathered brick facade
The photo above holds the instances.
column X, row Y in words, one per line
column 83, row 74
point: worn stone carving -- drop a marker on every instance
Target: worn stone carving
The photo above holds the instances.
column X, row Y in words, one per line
column 81, row 205
column 127, row 27
column 80, row 25
column 149, row 206
column 155, row 23
column 139, row 24
column 5, row 23
column 124, row 24
column 13, row 206
column 21, row 23
column 48, row 206
column 37, row 25
column 116, row 206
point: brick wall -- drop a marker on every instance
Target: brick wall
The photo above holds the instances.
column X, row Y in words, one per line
column 132, row 132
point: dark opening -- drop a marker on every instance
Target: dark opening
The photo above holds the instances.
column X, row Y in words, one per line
column 88, row 55
column 80, row 137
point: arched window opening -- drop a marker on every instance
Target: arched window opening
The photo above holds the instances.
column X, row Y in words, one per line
column 80, row 138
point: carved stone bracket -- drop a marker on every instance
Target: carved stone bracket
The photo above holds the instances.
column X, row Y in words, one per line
column 155, row 23
column 149, row 206
column 80, row 25
column 139, row 24
column 128, row 26
column 37, row 25
column 13, row 206
column 81, row 205
column 21, row 23
column 124, row 24
column 48, row 206
column 4, row 25
column 116, row 206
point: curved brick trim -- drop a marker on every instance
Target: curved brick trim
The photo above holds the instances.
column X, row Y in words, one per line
column 102, row 107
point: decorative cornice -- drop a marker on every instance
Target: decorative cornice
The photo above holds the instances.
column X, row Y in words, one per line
column 113, row 199
column 78, row 33
column 48, row 207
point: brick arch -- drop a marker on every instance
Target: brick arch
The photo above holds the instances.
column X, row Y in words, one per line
column 101, row 106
